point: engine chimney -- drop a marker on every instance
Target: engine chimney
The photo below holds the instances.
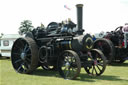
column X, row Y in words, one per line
column 79, row 18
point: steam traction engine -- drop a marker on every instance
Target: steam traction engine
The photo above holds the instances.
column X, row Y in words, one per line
column 59, row 46
column 114, row 45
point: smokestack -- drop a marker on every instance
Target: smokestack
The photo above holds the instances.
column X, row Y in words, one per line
column 79, row 18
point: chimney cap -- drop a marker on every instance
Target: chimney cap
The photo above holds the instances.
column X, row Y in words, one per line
column 79, row 5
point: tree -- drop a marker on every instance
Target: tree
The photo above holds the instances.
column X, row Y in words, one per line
column 0, row 40
column 1, row 35
column 26, row 26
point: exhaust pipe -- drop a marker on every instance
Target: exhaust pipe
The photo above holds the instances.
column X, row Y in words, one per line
column 79, row 19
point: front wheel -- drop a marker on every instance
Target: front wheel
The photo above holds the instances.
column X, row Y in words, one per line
column 98, row 63
column 69, row 65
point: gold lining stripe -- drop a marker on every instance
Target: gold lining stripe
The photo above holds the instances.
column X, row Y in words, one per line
column 89, row 38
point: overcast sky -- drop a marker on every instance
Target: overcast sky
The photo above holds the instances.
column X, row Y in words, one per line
column 98, row 15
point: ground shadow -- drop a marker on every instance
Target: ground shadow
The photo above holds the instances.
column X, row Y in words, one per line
column 51, row 73
column 125, row 64
column 86, row 77
column 41, row 72
column 5, row 58
column 82, row 76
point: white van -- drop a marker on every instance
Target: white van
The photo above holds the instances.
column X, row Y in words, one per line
column 6, row 43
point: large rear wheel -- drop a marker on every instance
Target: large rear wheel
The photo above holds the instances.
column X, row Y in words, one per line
column 24, row 55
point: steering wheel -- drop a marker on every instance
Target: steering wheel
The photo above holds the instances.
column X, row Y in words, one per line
column 52, row 26
column 118, row 28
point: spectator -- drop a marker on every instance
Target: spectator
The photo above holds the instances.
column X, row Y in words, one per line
column 125, row 28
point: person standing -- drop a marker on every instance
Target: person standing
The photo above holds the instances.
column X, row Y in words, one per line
column 125, row 30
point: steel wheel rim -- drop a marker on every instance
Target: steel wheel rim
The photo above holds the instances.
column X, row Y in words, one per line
column 98, row 66
column 22, row 56
column 70, row 66
column 106, row 47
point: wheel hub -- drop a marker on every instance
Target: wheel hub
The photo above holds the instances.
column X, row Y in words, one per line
column 23, row 56
column 67, row 65
column 95, row 62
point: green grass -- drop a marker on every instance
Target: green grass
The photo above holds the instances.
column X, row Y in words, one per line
column 117, row 74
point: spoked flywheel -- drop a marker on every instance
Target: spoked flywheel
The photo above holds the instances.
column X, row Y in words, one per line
column 24, row 55
column 107, row 47
column 98, row 63
column 69, row 65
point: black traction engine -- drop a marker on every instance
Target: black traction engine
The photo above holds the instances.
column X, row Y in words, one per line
column 59, row 46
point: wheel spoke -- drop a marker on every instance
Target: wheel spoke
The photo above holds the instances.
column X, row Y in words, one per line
column 67, row 73
column 19, row 60
column 16, row 54
column 67, row 57
column 95, row 70
column 91, row 69
column 73, row 70
column 26, row 65
column 98, row 68
column 19, row 67
column 100, row 64
column 27, row 49
column 27, row 59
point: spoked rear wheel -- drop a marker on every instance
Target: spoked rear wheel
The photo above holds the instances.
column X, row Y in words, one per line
column 69, row 65
column 107, row 47
column 24, row 55
column 98, row 64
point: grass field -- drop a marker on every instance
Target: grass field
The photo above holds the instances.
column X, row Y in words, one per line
column 117, row 74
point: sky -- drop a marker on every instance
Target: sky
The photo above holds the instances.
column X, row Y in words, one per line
column 98, row 15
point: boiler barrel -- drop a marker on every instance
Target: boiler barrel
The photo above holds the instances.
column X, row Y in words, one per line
column 80, row 43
